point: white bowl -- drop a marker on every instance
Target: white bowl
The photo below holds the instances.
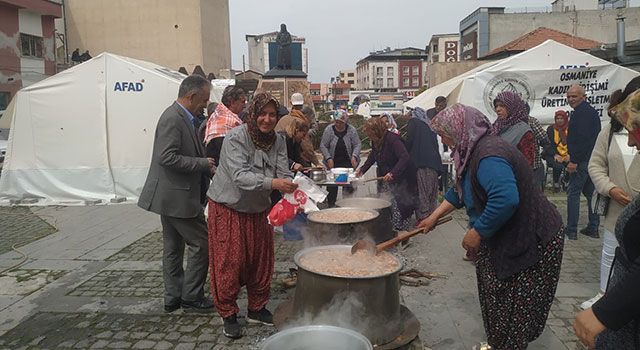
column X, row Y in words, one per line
column 338, row 171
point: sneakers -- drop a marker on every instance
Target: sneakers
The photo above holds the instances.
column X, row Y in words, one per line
column 203, row 306
column 587, row 304
column 232, row 328
column 263, row 316
column 590, row 232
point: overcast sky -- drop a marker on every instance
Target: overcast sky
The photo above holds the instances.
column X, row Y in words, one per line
column 341, row 32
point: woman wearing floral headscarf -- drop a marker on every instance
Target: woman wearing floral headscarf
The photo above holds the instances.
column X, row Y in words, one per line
column 516, row 232
column 390, row 122
column 512, row 124
column 253, row 162
column 394, row 163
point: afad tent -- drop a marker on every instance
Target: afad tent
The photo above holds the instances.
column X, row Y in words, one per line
column 541, row 75
column 86, row 134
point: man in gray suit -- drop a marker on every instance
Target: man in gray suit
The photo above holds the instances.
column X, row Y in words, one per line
column 176, row 189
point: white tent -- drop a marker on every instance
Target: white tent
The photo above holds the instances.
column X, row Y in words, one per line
column 86, row 134
column 541, row 75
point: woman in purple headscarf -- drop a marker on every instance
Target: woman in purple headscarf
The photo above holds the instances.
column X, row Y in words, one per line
column 519, row 250
column 512, row 124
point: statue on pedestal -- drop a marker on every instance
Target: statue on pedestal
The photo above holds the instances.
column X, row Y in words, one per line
column 284, row 48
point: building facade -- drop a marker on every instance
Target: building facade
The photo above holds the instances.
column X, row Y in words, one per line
column 187, row 33
column 263, row 52
column 488, row 28
column 27, row 44
column 392, row 70
column 347, row 76
column 444, row 48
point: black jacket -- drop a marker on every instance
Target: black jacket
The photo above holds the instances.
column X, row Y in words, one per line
column 584, row 127
column 422, row 145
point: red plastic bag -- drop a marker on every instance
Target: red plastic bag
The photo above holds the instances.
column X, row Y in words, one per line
column 282, row 212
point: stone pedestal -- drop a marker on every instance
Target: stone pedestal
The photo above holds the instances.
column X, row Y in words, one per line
column 282, row 83
column 283, row 87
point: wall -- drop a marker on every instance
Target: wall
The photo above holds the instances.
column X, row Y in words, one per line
column 166, row 32
column 598, row 25
column 10, row 79
column 216, row 35
column 440, row 72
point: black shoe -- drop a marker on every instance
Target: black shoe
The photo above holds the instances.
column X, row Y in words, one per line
column 171, row 307
column 232, row 328
column 263, row 316
column 203, row 306
column 590, row 232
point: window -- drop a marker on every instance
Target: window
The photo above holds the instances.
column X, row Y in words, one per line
column 415, row 70
column 349, row 75
column 350, row 82
column 31, row 46
column 378, row 71
column 405, row 70
column 389, row 82
column 379, row 82
column 405, row 81
column 414, row 82
column 389, row 71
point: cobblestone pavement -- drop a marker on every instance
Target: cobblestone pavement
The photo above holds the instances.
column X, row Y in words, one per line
column 116, row 303
column 19, row 225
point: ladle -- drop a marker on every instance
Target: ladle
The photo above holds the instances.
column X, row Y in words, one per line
column 372, row 248
column 357, row 182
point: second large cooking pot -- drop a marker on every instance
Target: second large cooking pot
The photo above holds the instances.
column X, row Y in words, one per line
column 320, row 232
column 369, row 305
column 383, row 228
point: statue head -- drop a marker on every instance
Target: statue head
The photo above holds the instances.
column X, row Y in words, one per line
column 283, row 27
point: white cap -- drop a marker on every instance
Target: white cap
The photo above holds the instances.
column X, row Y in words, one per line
column 297, row 99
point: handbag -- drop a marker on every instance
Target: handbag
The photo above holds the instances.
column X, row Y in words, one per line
column 601, row 206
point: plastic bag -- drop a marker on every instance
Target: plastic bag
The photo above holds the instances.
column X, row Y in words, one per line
column 303, row 199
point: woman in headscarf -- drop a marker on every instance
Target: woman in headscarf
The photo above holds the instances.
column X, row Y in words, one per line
column 422, row 145
column 558, row 157
column 340, row 147
column 394, row 163
column 516, row 232
column 612, row 322
column 253, row 162
column 512, row 124
column 390, row 122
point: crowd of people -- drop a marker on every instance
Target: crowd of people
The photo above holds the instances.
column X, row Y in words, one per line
column 243, row 159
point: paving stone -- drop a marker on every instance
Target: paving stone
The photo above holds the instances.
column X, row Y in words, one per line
column 119, row 345
column 185, row 346
column 100, row 344
column 163, row 345
column 144, row 344
column 20, row 225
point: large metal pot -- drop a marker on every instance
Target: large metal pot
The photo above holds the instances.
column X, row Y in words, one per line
column 369, row 305
column 383, row 228
column 325, row 233
column 317, row 338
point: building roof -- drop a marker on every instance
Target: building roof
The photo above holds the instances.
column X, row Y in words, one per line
column 392, row 55
column 537, row 37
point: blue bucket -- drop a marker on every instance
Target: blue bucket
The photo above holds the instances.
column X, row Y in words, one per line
column 342, row 178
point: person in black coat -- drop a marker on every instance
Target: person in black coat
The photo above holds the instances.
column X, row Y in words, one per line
column 422, row 145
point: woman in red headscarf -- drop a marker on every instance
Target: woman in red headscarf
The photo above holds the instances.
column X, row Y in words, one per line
column 558, row 157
